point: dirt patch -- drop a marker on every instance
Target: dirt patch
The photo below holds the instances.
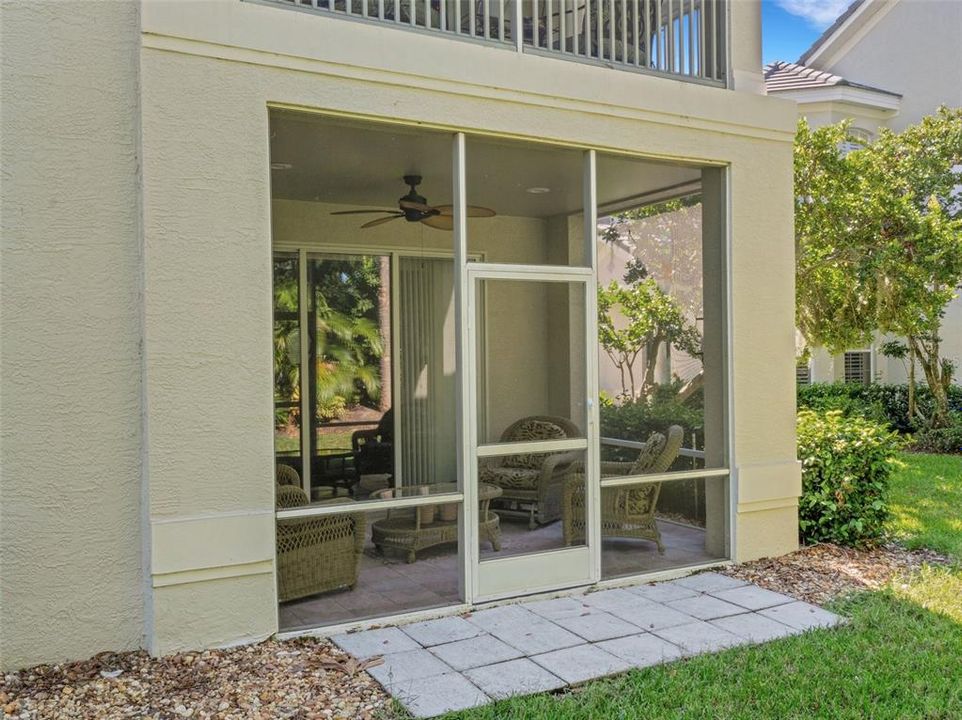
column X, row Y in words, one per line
column 306, row 679
column 820, row 573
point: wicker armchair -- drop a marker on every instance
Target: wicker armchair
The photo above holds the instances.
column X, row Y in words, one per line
column 531, row 480
column 286, row 475
column 316, row 554
column 627, row 511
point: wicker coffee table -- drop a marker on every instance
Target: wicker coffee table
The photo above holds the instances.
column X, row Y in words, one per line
column 413, row 529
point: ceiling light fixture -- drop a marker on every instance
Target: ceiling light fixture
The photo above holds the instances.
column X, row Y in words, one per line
column 538, row 190
column 281, row 166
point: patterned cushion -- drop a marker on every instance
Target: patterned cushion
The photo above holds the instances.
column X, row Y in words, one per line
column 507, row 477
column 639, row 501
column 646, row 458
column 528, row 431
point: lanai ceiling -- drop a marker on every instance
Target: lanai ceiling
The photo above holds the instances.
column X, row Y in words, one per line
column 348, row 163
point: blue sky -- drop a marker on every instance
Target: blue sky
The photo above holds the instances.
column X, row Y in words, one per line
column 789, row 27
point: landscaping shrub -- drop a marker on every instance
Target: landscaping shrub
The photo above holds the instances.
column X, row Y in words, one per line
column 638, row 419
column 846, row 464
column 939, row 440
column 882, row 403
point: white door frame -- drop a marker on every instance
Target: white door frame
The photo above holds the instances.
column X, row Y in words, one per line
column 499, row 578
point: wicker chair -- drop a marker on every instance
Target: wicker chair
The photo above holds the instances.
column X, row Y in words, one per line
column 531, row 479
column 286, row 475
column 316, row 554
column 627, row 511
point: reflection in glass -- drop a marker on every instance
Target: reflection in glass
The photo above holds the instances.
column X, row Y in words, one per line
column 287, row 361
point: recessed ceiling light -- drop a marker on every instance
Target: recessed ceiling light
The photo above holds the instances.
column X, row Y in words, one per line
column 538, row 190
column 281, row 166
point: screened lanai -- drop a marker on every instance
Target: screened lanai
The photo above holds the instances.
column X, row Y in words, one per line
column 499, row 368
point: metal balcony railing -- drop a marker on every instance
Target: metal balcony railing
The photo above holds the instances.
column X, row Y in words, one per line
column 684, row 39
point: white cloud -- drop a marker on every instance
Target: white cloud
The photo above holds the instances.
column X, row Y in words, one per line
column 820, row 13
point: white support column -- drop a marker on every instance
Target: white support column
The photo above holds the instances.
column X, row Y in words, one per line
column 592, row 454
column 468, row 521
column 714, row 357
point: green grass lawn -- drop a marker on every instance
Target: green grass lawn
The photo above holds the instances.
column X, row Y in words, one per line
column 899, row 657
column 926, row 502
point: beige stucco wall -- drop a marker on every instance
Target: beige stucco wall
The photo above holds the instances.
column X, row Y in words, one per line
column 911, row 47
column 70, row 433
column 208, row 72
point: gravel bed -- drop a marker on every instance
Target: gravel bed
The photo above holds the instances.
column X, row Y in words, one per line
column 302, row 679
column 820, row 573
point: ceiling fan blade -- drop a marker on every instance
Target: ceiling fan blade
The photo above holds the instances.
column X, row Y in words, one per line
column 411, row 205
column 362, row 212
column 473, row 211
column 381, row 221
column 439, row 222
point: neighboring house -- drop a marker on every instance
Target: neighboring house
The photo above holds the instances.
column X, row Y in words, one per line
column 882, row 64
column 297, row 294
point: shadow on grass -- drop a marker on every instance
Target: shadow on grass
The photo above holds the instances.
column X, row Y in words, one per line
column 925, row 499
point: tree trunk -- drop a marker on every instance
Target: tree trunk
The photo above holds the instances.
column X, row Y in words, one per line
column 936, row 378
column 651, row 363
column 912, row 408
column 384, row 327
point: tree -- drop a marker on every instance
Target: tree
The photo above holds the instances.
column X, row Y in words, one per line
column 878, row 240
column 638, row 316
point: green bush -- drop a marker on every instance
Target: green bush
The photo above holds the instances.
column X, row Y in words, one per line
column 846, row 463
column 939, row 440
column 637, row 420
column 882, row 403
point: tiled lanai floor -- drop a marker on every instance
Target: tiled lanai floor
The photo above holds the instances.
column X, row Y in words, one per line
column 455, row 663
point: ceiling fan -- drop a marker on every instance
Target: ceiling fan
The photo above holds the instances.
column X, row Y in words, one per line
column 414, row 208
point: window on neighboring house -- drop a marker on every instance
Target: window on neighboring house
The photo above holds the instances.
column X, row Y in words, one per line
column 857, row 139
column 858, row 367
column 803, row 374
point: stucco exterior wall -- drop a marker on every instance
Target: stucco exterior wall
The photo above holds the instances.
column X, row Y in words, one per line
column 913, row 49
column 154, row 363
column 70, row 428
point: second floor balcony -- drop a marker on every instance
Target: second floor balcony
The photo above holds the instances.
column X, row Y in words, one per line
column 682, row 39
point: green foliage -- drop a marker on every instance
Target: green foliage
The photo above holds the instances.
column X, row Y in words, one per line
column 947, row 440
column 332, row 409
column 878, row 235
column 846, row 464
column 641, row 316
column 878, row 402
column 636, row 420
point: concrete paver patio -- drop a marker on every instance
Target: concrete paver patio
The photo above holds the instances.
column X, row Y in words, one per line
column 457, row 663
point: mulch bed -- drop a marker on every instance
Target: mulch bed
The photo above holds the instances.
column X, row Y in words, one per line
column 311, row 679
column 306, row 679
column 820, row 573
